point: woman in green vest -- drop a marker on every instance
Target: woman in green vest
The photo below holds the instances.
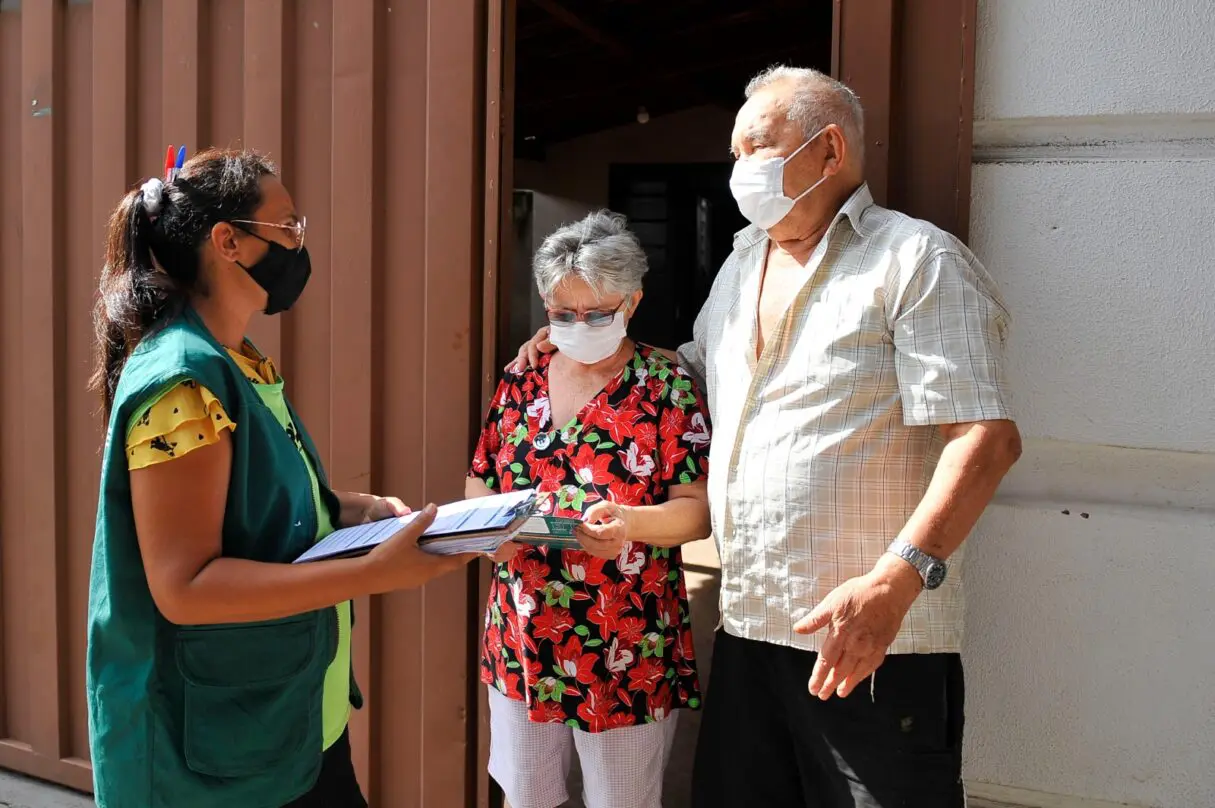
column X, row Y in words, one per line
column 219, row 673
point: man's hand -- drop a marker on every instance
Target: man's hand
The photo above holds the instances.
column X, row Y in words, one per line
column 862, row 617
column 531, row 351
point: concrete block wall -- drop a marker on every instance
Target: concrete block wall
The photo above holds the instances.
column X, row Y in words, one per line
column 1091, row 582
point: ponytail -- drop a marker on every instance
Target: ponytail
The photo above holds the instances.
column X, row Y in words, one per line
column 153, row 251
column 133, row 296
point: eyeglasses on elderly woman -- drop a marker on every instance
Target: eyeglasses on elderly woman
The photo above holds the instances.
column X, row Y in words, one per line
column 595, row 318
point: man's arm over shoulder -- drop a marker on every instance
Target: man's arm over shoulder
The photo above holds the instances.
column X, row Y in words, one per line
column 691, row 358
column 692, row 355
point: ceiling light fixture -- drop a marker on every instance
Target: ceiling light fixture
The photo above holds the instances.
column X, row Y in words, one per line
column 643, row 115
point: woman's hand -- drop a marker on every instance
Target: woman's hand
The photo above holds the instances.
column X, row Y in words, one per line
column 604, row 530
column 382, row 508
column 531, row 351
column 505, row 553
column 359, row 509
column 399, row 563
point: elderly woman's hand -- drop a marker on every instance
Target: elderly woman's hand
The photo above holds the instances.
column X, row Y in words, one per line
column 604, row 530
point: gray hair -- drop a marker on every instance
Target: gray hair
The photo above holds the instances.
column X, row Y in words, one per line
column 600, row 250
column 817, row 101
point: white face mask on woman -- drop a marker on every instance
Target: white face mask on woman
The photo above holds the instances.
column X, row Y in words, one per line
column 759, row 188
column 588, row 344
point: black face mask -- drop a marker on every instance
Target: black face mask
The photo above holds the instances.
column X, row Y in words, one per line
column 283, row 273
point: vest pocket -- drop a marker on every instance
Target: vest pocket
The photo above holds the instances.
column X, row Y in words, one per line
column 252, row 694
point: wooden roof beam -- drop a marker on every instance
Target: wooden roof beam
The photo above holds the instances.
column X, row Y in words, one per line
column 687, row 71
column 568, row 18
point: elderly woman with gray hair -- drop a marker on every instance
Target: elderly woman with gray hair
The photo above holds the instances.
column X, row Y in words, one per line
column 591, row 649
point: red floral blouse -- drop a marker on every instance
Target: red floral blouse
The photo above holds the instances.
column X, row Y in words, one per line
column 591, row 643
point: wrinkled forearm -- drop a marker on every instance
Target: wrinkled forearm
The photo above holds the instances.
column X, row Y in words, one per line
column 674, row 522
column 973, row 462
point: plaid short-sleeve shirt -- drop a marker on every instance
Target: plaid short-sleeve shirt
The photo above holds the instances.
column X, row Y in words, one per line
column 825, row 443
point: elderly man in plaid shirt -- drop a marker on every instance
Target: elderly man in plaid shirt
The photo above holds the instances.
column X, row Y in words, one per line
column 852, row 359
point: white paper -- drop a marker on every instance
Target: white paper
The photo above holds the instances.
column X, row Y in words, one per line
column 466, row 516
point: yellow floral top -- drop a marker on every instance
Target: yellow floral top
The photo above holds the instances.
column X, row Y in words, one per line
column 188, row 416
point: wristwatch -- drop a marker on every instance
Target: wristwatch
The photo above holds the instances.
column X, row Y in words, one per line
column 932, row 570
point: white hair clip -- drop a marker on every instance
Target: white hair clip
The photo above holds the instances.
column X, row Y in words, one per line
column 153, row 194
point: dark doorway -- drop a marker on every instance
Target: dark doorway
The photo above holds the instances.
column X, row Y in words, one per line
column 629, row 104
column 685, row 217
column 584, row 67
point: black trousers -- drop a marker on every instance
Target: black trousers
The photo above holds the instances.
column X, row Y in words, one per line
column 337, row 786
column 765, row 741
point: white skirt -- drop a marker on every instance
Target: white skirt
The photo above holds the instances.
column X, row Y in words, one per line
column 621, row 768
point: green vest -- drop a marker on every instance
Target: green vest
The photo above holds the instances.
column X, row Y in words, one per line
column 336, row 703
column 218, row 715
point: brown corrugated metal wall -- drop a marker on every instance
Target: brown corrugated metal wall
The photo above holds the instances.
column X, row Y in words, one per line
column 375, row 111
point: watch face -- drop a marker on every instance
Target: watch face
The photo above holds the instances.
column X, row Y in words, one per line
column 934, row 576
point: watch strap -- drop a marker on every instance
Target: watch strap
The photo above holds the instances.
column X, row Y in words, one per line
column 915, row 557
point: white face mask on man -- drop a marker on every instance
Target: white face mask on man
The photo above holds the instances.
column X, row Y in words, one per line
column 588, row 344
column 759, row 187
